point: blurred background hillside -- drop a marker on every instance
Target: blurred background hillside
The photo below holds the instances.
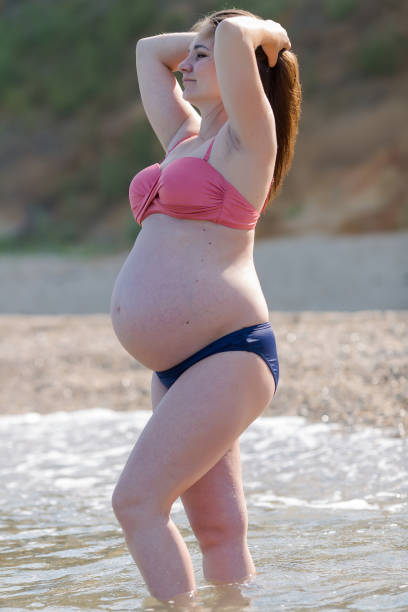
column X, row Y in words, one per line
column 74, row 133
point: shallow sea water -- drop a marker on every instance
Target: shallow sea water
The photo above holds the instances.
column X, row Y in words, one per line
column 327, row 508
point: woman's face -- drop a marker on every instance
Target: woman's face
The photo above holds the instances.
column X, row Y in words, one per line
column 199, row 66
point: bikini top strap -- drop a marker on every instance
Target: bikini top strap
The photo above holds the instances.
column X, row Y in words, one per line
column 207, row 155
column 177, row 143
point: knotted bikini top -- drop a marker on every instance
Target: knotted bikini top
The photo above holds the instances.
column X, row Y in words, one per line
column 190, row 188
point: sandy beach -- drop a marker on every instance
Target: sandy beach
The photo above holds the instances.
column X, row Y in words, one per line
column 345, row 364
column 334, row 366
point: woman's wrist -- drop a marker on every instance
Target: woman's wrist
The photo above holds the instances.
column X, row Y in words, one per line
column 260, row 32
column 253, row 27
column 170, row 49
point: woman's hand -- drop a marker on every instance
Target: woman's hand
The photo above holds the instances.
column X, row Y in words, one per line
column 276, row 39
column 265, row 33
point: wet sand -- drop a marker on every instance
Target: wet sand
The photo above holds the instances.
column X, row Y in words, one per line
column 338, row 306
column 345, row 367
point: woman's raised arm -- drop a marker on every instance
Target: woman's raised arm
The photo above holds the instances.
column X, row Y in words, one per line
column 170, row 49
column 157, row 57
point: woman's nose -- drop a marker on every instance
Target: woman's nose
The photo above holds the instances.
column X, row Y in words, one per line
column 184, row 65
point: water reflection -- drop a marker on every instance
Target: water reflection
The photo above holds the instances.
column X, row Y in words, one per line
column 327, row 517
column 212, row 597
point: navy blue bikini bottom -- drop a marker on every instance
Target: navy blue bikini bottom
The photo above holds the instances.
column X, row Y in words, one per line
column 258, row 339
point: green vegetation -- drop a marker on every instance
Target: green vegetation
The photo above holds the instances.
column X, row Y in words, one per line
column 75, row 60
column 73, row 63
column 339, row 9
column 61, row 55
column 381, row 51
column 270, row 9
column 293, row 210
column 56, row 247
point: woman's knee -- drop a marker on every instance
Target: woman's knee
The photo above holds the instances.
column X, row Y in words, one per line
column 134, row 507
column 124, row 505
column 221, row 529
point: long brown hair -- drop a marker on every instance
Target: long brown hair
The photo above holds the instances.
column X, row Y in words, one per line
column 282, row 87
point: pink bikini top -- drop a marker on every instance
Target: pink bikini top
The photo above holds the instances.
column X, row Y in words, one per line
column 190, row 188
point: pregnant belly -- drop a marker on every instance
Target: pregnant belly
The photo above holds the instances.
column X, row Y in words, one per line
column 164, row 308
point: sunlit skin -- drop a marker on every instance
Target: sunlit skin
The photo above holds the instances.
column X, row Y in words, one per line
column 203, row 92
column 186, row 283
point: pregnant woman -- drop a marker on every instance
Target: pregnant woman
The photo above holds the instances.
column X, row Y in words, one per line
column 187, row 302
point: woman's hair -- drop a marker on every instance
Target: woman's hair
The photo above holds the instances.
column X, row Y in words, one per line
column 282, row 88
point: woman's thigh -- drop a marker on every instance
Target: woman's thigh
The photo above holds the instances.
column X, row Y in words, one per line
column 215, row 505
column 194, row 425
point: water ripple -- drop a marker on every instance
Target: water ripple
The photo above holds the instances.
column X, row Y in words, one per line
column 327, row 516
